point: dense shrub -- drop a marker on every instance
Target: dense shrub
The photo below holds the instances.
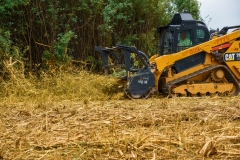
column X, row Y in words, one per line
column 57, row 31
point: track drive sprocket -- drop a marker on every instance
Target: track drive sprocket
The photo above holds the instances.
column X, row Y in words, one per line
column 217, row 75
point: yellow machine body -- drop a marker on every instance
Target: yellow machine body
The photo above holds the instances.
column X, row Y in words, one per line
column 209, row 81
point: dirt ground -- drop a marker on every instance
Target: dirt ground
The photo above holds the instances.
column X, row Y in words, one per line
column 154, row 128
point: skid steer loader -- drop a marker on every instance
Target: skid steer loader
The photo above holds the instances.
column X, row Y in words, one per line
column 205, row 65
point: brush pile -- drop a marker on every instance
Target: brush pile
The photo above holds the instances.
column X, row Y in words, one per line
column 86, row 116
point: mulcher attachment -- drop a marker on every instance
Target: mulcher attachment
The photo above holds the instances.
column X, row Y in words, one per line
column 140, row 81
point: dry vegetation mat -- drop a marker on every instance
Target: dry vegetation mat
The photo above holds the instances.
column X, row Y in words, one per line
column 62, row 86
column 84, row 116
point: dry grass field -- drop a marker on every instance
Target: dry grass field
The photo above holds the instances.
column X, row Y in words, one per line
column 82, row 116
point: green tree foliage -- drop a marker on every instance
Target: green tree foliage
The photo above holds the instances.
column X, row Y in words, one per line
column 190, row 6
column 59, row 30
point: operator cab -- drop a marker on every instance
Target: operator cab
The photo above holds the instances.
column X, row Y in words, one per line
column 183, row 32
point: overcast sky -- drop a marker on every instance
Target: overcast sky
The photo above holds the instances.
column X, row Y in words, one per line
column 222, row 13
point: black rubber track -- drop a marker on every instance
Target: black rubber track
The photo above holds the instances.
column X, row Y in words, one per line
column 167, row 87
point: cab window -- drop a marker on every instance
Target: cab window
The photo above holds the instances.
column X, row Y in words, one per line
column 166, row 44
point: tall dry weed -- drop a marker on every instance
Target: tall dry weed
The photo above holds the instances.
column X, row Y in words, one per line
column 58, row 84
